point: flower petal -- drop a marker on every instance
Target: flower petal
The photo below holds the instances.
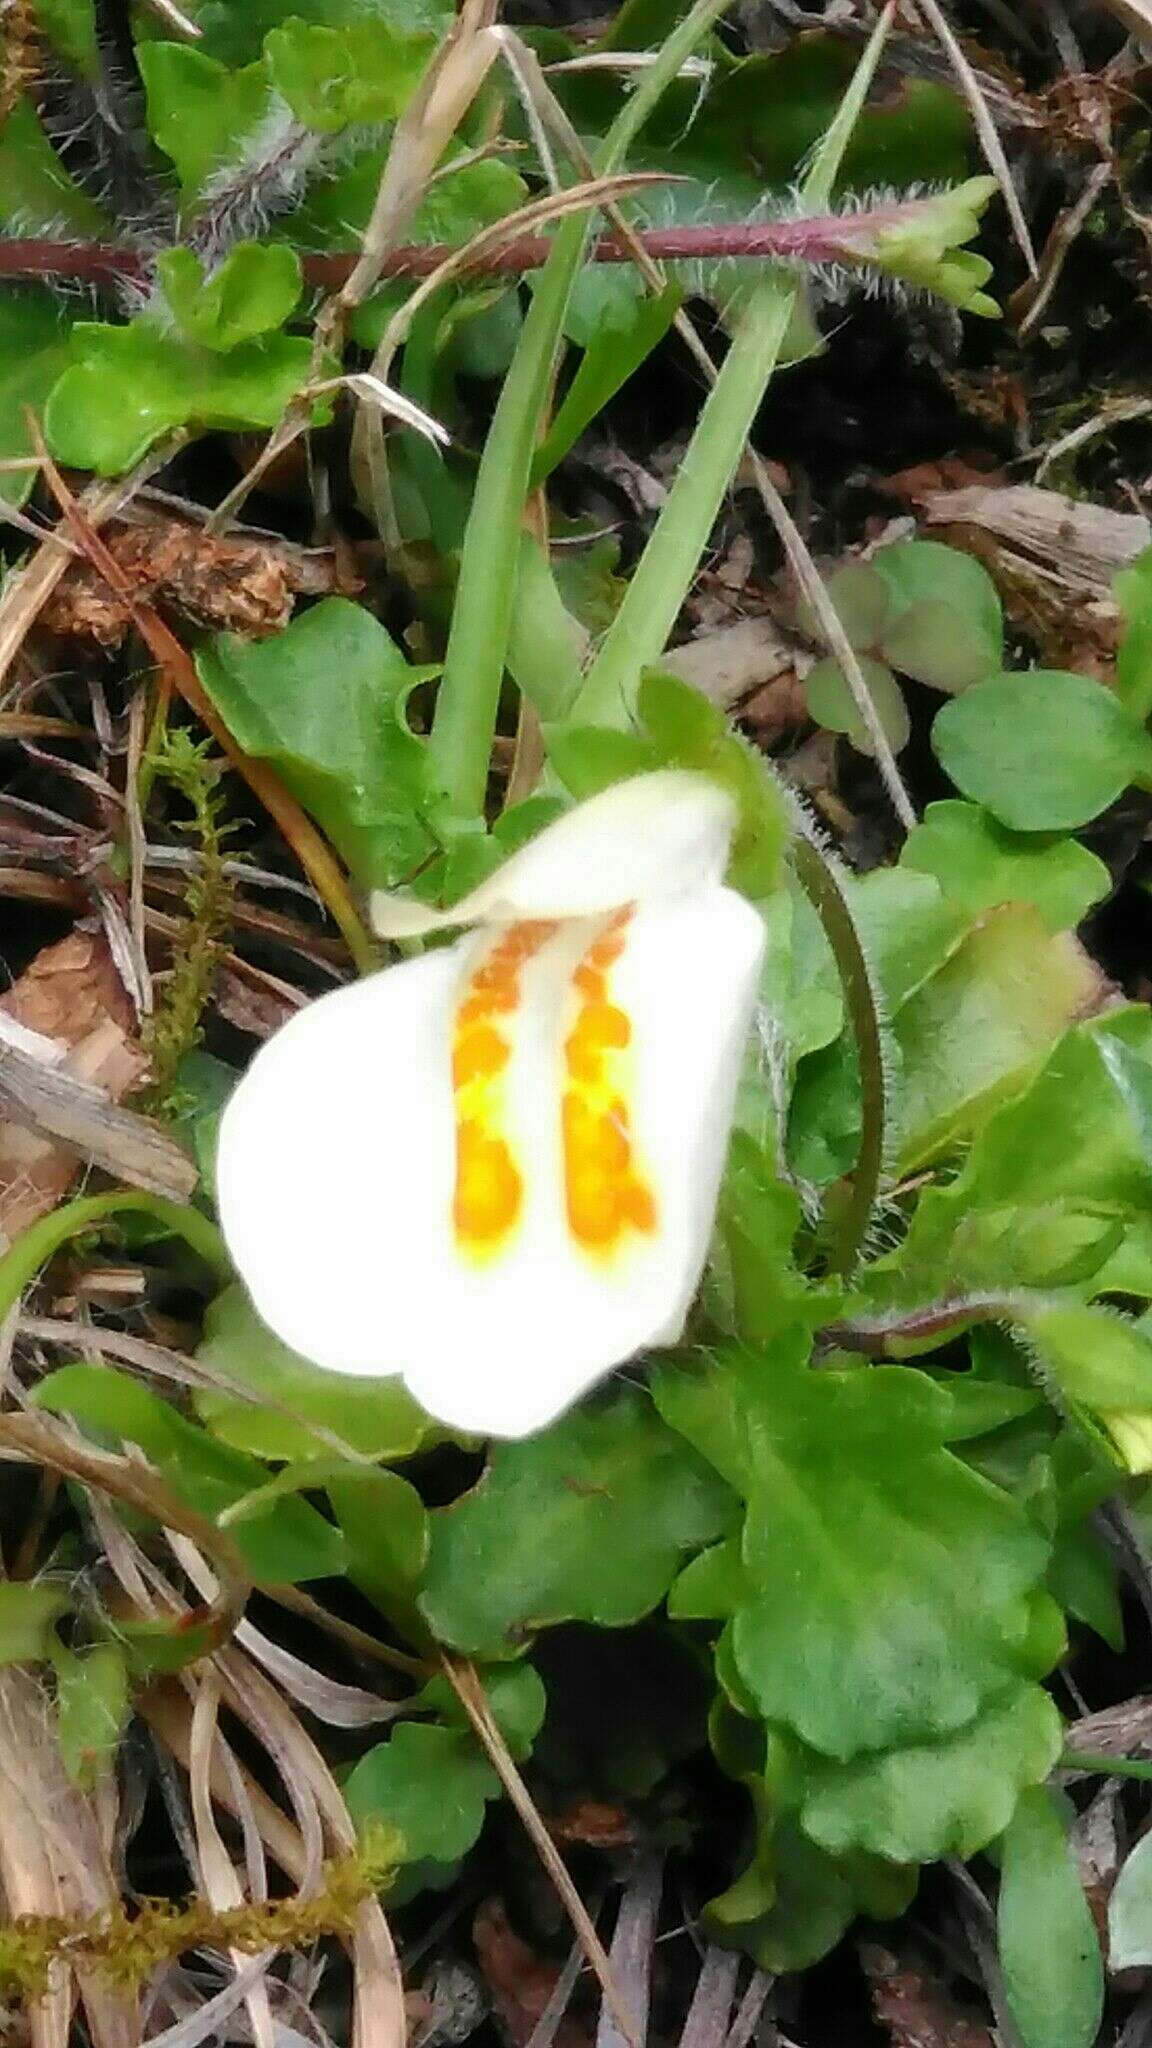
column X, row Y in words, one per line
column 494, row 1169
column 655, row 835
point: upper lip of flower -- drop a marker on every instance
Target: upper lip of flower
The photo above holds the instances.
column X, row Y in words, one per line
column 493, row 1169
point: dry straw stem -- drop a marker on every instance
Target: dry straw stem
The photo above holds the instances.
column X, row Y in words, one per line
column 466, row 1685
column 35, row 1440
column 179, row 673
column 983, row 123
column 487, row 242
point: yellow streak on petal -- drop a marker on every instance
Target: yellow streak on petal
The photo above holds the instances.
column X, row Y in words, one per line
column 605, row 1195
column 489, row 1191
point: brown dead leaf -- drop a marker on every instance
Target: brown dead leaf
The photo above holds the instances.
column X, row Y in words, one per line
column 520, row 1980
column 68, row 989
column 594, row 1823
column 914, row 2008
column 237, row 586
column 71, row 993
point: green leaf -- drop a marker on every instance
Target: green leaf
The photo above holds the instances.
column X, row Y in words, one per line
column 92, row 1706
column 1133, row 588
column 1044, row 752
column 200, row 113
column 515, row 1695
column 794, row 1901
column 325, row 700
column 611, row 355
column 255, row 289
column 1049, row 1953
column 70, row 27
column 1082, row 1131
column 1097, row 1356
column 27, row 1612
column 385, row 1527
column 770, row 111
column 331, row 77
column 37, row 196
column 34, row 349
column 861, row 601
column 831, row 704
column 127, row 386
column 947, row 626
column 983, row 1023
column 946, row 1798
column 283, row 1541
column 203, row 1086
column 236, row 32
column 431, row 1783
column 586, row 1522
column 888, row 1591
column 376, row 1418
column 979, row 865
column 1130, row 1911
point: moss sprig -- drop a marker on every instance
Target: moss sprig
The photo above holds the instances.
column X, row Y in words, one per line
column 190, row 768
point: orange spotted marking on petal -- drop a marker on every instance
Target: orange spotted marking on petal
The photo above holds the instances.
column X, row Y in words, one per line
column 489, row 1193
column 606, row 1197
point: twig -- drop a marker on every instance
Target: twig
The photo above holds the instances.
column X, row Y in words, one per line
column 465, row 1684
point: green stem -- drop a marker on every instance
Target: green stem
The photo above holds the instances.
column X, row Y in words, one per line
column 20, row 1265
column 663, row 577
column 1089, row 1762
column 469, row 694
column 821, row 885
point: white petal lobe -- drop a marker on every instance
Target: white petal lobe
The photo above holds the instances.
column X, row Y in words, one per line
column 662, row 834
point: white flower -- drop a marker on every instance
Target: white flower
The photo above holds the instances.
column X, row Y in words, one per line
column 493, row 1169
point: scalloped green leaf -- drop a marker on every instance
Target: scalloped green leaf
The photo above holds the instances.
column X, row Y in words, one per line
column 946, row 1798
column 325, row 701
column 588, row 1521
column 200, row 113
column 331, row 77
column 886, row 1593
column 255, row 289
column 981, row 1026
column 283, row 1540
column 128, row 386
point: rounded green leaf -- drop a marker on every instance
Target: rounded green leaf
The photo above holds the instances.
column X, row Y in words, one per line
column 832, row 705
column 861, row 601
column 1044, row 752
column 947, row 626
column 1130, row 1911
column 1049, row 1952
column 129, row 385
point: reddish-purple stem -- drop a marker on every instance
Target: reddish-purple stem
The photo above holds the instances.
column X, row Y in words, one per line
column 822, row 238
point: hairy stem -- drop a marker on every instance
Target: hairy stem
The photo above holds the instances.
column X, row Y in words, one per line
column 816, row 238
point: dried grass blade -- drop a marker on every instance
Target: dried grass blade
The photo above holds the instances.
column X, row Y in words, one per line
column 462, row 1678
column 179, row 672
